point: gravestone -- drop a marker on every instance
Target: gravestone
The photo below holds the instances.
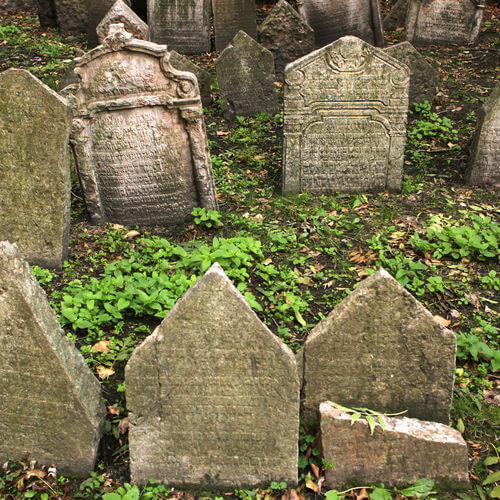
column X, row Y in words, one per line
column 397, row 15
column 285, row 33
column 380, row 349
column 404, row 452
column 138, row 135
column 184, row 64
column 443, row 21
column 182, row 24
column 423, row 77
column 484, row 161
column 34, row 168
column 97, row 10
column 50, row 403
column 73, row 15
column 47, row 13
column 331, row 20
column 245, row 72
column 15, row 6
column 213, row 395
column 120, row 12
column 345, row 120
column 231, row 16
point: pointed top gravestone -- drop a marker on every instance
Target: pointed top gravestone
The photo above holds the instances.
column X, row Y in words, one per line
column 286, row 34
column 50, row 403
column 120, row 12
column 182, row 24
column 97, row 10
column 331, row 20
column 73, row 15
column 397, row 15
column 213, row 395
column 231, row 16
column 245, row 72
column 34, row 168
column 381, row 349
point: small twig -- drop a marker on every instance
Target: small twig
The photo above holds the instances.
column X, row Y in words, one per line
column 76, row 196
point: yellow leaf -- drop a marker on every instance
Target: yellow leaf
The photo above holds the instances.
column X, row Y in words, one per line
column 312, row 485
column 101, row 346
column 104, row 372
column 132, row 234
column 442, row 321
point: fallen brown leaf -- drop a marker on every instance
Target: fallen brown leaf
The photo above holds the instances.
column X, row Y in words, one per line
column 104, row 372
column 101, row 346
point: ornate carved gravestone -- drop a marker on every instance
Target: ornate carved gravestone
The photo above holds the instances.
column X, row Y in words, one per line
column 97, row 10
column 213, row 395
column 34, row 168
column 182, row 24
column 245, row 72
column 443, row 21
column 138, row 134
column 331, row 20
column 286, row 34
column 345, row 120
column 380, row 349
column 73, row 15
column 50, row 403
column 423, row 77
column 484, row 163
column 231, row 16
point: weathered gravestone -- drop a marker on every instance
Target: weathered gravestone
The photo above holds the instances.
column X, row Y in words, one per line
column 286, row 34
column 405, row 451
column 245, row 72
column 15, row 6
column 213, row 395
column 184, row 64
column 34, row 168
column 345, row 120
column 380, row 349
column 183, row 24
column 443, row 21
column 484, row 162
column 331, row 20
column 423, row 77
column 69, row 77
column 121, row 13
column 73, row 15
column 231, row 16
column 50, row 403
column 138, row 135
column 47, row 13
column 397, row 15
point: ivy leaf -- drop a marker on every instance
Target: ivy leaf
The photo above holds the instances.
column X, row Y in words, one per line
column 332, row 495
column 491, row 461
column 492, row 478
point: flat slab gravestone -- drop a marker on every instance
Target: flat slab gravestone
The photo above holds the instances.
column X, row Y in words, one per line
column 380, row 349
column 245, row 72
column 331, row 20
column 182, row 24
column 484, row 160
column 34, row 168
column 231, row 16
column 51, row 403
column 73, row 15
column 424, row 78
column 345, row 120
column 286, row 34
column 443, row 21
column 396, row 16
column 213, row 395
column 406, row 451
column 97, row 10
column 138, row 135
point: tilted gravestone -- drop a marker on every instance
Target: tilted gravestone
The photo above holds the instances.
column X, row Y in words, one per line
column 34, row 168
column 380, row 349
column 182, row 24
column 443, row 21
column 138, row 135
column 484, row 162
column 213, row 395
column 345, row 120
column 397, row 15
column 331, row 20
column 231, row 16
column 97, row 10
column 50, row 403
column 73, row 15
column 121, row 13
column 423, row 77
column 286, row 34
column 245, row 72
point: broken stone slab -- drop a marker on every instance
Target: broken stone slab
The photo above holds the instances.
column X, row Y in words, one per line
column 406, row 451
column 484, row 160
column 286, row 34
column 34, row 168
column 245, row 72
column 73, row 15
column 380, row 349
column 444, row 21
column 213, row 395
column 397, row 15
column 50, row 403
column 423, row 77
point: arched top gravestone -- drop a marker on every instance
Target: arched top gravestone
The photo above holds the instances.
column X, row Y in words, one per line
column 213, row 395
column 138, row 134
